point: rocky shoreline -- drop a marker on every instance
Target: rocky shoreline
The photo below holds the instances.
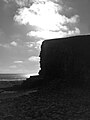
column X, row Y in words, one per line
column 48, row 104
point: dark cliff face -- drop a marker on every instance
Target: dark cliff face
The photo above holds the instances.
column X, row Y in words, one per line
column 66, row 58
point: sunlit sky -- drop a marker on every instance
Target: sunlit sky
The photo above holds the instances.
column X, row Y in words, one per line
column 24, row 24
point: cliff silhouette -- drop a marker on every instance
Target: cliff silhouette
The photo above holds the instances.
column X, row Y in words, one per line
column 62, row 60
column 66, row 58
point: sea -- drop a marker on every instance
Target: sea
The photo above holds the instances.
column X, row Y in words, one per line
column 8, row 80
column 12, row 77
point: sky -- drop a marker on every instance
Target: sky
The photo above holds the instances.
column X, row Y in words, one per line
column 24, row 24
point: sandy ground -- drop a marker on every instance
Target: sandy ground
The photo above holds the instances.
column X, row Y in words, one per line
column 63, row 104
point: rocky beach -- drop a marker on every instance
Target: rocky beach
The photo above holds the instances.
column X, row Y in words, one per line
column 66, row 103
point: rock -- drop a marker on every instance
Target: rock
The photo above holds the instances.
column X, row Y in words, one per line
column 66, row 58
column 63, row 60
column 33, row 82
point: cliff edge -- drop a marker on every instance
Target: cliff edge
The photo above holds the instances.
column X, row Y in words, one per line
column 63, row 59
column 66, row 58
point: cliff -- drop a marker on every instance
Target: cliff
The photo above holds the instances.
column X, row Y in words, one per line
column 66, row 58
column 62, row 60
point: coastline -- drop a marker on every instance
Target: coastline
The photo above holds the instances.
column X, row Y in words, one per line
column 47, row 104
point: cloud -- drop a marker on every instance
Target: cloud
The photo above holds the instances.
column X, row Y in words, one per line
column 48, row 19
column 24, row 3
column 40, row 15
column 30, row 44
column 38, row 44
column 20, row 3
column 34, row 59
column 19, row 61
column 4, row 45
column 13, row 43
column 52, row 34
column 45, row 16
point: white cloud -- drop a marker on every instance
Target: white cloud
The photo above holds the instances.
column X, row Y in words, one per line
column 48, row 20
column 13, row 43
column 19, row 61
column 20, row 3
column 34, row 59
column 24, row 3
column 30, row 44
column 51, row 34
column 74, row 32
column 38, row 44
column 44, row 16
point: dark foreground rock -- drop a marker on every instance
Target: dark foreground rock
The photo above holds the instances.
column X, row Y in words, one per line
column 64, row 104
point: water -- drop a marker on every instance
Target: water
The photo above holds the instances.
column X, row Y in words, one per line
column 8, row 80
column 12, row 77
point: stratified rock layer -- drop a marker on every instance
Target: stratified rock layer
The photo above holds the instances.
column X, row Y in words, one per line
column 66, row 58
